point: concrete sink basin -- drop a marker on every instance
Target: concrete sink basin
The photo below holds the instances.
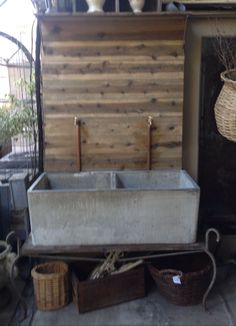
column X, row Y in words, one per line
column 124, row 207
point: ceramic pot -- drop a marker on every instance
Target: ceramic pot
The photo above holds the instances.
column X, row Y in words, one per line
column 51, row 6
column 95, row 5
column 40, row 6
column 6, row 260
column 225, row 107
column 137, row 5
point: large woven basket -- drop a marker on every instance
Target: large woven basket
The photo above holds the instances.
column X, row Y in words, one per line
column 225, row 107
column 51, row 285
column 193, row 272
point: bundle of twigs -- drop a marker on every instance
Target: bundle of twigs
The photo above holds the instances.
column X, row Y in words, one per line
column 109, row 266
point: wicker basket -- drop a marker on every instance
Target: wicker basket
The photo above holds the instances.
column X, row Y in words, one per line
column 225, row 107
column 193, row 273
column 51, row 285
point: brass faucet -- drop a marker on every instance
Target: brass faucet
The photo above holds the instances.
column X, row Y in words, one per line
column 150, row 120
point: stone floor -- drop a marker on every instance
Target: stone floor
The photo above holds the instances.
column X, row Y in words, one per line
column 153, row 310
column 9, row 310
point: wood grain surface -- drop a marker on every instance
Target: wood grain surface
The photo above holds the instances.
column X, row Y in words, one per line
column 112, row 74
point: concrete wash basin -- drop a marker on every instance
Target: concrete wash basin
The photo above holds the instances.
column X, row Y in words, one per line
column 127, row 207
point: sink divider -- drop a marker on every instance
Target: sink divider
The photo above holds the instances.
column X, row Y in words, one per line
column 115, row 181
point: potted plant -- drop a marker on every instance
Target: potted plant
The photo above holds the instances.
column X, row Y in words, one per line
column 225, row 106
column 5, row 135
column 16, row 117
column 5, row 146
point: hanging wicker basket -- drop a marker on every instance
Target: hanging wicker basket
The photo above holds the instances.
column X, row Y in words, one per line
column 225, row 107
column 51, row 285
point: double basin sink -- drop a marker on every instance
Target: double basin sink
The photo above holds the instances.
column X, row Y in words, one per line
column 105, row 208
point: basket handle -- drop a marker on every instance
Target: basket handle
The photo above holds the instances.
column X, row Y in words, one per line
column 171, row 272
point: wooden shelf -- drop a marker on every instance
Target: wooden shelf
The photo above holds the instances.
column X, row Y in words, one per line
column 109, row 15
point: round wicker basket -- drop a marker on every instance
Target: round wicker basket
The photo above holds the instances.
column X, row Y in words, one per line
column 225, row 107
column 194, row 273
column 51, row 285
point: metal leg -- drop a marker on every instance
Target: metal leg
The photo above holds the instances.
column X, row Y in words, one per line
column 18, row 294
column 211, row 256
column 207, row 236
column 212, row 280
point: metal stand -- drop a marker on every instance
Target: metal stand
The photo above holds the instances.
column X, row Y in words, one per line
column 70, row 253
column 211, row 256
column 16, row 291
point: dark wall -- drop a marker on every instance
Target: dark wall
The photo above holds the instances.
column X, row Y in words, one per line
column 217, row 155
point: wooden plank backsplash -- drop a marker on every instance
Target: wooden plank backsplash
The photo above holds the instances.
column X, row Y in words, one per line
column 112, row 73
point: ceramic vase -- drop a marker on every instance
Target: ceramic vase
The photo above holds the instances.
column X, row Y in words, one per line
column 137, row 5
column 95, row 5
column 6, row 260
column 51, row 6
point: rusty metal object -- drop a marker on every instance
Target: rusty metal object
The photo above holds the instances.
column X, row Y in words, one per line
column 78, row 144
column 211, row 256
column 149, row 142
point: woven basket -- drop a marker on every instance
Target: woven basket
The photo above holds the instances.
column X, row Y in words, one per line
column 225, row 107
column 51, row 286
column 194, row 274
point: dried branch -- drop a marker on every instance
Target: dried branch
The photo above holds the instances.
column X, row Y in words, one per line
column 225, row 49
